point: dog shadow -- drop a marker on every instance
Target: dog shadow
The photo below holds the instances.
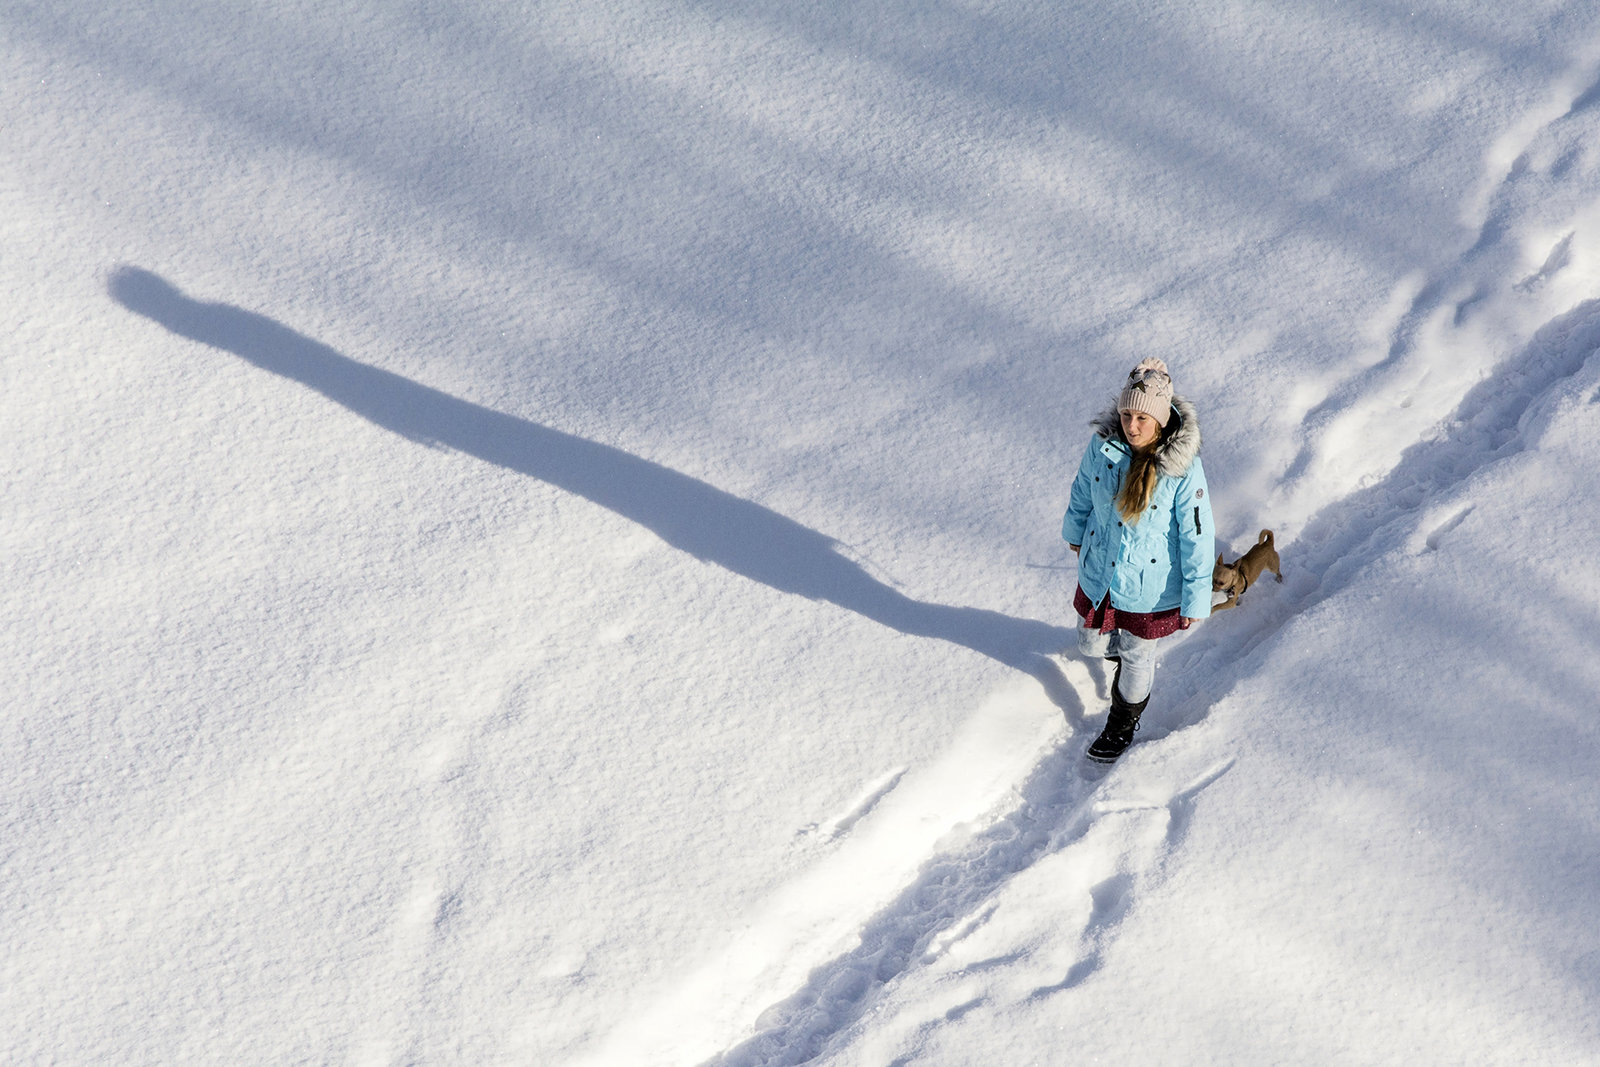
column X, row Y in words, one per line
column 709, row 524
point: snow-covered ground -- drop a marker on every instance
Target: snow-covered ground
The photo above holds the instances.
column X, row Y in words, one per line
column 531, row 532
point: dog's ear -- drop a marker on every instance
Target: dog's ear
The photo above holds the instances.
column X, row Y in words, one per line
column 1219, row 559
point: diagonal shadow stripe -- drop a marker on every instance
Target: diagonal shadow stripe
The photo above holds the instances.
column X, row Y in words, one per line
column 712, row 525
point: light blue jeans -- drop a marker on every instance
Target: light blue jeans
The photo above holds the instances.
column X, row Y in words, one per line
column 1138, row 656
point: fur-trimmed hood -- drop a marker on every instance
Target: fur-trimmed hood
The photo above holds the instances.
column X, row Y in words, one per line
column 1178, row 449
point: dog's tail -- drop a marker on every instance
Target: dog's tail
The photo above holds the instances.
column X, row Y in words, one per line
column 1265, row 538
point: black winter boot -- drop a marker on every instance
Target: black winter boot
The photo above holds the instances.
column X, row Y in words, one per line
column 1120, row 725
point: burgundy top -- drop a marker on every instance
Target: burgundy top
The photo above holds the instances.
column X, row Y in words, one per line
column 1146, row 624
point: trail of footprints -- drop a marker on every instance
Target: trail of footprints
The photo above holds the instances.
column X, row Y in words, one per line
column 944, row 920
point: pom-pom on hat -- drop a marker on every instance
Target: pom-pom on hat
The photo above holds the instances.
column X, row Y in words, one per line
column 1149, row 390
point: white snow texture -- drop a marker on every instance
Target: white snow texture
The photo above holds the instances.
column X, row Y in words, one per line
column 531, row 532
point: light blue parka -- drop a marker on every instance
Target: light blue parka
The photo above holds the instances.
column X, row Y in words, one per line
column 1164, row 560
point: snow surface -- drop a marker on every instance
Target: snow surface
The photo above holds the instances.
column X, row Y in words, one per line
column 531, row 532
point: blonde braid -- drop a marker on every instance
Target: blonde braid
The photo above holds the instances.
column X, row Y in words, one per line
column 1144, row 473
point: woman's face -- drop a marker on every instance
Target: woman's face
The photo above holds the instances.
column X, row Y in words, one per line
column 1140, row 429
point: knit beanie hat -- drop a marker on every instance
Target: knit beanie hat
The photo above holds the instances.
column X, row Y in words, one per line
column 1149, row 390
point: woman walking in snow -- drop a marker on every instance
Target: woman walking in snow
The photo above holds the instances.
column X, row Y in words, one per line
column 1140, row 521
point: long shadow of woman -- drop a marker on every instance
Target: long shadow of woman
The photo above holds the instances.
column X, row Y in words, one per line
column 688, row 514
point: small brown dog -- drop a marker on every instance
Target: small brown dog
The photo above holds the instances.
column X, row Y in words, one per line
column 1235, row 578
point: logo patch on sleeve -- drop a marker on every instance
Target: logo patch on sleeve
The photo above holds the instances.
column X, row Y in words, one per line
column 1199, row 493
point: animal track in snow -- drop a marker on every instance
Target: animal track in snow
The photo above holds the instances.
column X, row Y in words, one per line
column 857, row 809
column 1109, row 903
column 1558, row 259
column 1444, row 529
